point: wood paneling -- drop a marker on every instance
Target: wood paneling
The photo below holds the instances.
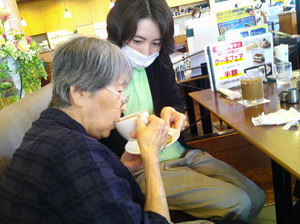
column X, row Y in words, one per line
column 23, row 13
column 80, row 12
column 234, row 150
column 48, row 15
column 87, row 30
column 32, row 14
column 172, row 3
column 99, row 9
column 288, row 22
column 65, row 23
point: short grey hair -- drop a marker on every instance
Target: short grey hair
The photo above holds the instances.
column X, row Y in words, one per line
column 89, row 64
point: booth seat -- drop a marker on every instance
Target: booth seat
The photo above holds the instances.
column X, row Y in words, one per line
column 17, row 118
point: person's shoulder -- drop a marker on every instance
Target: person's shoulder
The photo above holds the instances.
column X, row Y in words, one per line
column 74, row 140
column 57, row 138
column 76, row 149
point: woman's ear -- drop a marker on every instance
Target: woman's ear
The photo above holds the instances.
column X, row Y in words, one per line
column 77, row 96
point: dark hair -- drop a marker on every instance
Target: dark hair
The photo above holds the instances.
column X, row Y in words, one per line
column 123, row 18
column 248, row 10
column 195, row 10
column 87, row 63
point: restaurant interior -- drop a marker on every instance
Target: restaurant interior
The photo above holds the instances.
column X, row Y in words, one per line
column 51, row 22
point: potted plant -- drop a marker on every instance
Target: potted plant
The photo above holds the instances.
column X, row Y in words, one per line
column 21, row 68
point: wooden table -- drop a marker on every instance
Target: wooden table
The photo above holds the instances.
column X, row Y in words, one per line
column 282, row 146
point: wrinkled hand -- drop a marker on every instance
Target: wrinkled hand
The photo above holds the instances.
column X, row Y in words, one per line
column 173, row 118
column 132, row 161
column 152, row 136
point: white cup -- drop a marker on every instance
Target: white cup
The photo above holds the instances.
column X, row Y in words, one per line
column 282, row 52
column 127, row 125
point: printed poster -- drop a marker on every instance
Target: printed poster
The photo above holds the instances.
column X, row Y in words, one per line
column 235, row 19
column 228, row 60
column 259, row 54
column 246, row 32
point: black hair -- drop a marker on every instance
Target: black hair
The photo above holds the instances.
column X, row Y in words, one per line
column 123, row 18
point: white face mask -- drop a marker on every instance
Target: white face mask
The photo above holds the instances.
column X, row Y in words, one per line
column 137, row 59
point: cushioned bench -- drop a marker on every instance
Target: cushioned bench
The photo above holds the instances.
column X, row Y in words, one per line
column 17, row 118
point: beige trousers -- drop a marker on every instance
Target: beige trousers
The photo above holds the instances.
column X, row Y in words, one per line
column 205, row 187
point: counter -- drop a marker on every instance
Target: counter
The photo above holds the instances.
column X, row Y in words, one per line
column 47, row 58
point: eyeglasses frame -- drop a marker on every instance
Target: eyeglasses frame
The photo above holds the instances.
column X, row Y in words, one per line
column 124, row 99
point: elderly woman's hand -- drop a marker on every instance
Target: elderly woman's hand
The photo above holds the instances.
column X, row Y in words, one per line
column 173, row 118
column 151, row 136
column 133, row 162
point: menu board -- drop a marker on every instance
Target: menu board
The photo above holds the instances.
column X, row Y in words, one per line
column 228, row 60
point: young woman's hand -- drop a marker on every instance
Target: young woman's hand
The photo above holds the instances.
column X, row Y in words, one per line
column 173, row 118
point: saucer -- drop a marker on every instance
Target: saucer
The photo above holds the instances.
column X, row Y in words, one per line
column 133, row 147
column 253, row 104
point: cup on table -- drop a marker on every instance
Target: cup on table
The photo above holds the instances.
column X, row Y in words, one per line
column 298, row 84
column 293, row 95
column 252, row 87
column 289, row 96
column 127, row 124
column 282, row 52
column 283, row 73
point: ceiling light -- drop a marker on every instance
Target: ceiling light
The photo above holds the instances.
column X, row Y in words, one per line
column 111, row 4
column 23, row 22
column 67, row 13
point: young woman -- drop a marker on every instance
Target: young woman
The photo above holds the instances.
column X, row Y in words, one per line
column 194, row 181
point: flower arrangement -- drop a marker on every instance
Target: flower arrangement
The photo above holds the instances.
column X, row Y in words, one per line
column 20, row 65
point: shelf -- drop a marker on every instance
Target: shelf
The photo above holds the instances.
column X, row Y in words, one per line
column 192, row 3
column 181, row 15
column 186, row 14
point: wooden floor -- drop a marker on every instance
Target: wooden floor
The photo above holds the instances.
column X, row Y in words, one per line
column 262, row 176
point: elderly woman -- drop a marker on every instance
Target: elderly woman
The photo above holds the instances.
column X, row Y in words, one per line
column 61, row 173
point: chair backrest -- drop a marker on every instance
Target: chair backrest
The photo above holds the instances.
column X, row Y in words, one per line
column 17, row 118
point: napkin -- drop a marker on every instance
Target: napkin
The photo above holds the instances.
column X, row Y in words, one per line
column 289, row 117
column 230, row 94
